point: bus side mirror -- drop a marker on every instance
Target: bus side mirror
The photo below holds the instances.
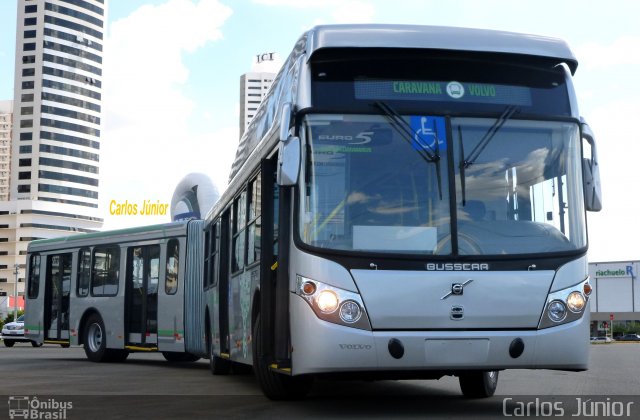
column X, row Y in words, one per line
column 591, row 172
column 289, row 152
column 285, row 121
column 288, row 162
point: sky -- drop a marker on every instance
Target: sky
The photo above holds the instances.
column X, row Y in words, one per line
column 172, row 72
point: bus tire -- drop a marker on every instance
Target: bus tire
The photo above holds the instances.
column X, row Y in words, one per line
column 276, row 386
column 479, row 384
column 8, row 343
column 176, row 357
column 95, row 340
column 218, row 365
column 36, row 344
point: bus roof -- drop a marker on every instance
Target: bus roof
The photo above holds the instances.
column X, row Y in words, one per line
column 96, row 238
column 438, row 38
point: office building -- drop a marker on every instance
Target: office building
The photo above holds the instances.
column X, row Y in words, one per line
column 6, row 125
column 255, row 85
column 57, row 120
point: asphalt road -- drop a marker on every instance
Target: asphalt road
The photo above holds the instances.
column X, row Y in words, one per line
column 146, row 386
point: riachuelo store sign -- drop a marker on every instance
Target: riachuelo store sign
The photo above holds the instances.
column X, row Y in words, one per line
column 615, row 270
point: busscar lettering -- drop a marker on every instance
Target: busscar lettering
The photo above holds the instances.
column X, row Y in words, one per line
column 457, row 266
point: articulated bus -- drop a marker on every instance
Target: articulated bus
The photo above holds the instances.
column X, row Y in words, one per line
column 408, row 202
column 129, row 290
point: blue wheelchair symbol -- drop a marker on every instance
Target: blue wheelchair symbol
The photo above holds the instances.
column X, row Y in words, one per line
column 427, row 132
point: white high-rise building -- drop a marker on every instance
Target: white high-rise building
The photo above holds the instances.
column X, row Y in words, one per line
column 254, row 86
column 57, row 103
column 6, row 126
column 57, row 109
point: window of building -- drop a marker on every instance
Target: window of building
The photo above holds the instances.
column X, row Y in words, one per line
column 24, row 188
column 28, row 85
column 68, row 165
column 105, row 274
column 26, row 110
column 30, row 21
column 31, row 8
column 25, row 149
column 27, row 97
column 24, row 175
column 26, row 136
column 29, row 46
column 57, row 189
column 72, row 25
column 24, row 162
column 29, row 72
column 28, row 59
column 30, row 33
column 74, row 13
column 26, row 123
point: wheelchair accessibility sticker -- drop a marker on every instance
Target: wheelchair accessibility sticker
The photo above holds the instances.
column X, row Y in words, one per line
column 429, row 133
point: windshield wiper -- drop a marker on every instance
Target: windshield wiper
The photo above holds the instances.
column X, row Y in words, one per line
column 406, row 133
column 482, row 144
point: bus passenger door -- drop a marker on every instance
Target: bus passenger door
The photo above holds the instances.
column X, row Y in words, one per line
column 171, row 297
column 223, row 285
column 58, row 287
column 141, row 296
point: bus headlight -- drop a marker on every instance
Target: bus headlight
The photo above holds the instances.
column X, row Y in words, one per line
column 576, row 302
column 332, row 304
column 350, row 311
column 557, row 311
column 327, row 301
column 565, row 305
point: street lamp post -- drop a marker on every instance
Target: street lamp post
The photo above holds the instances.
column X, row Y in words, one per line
column 16, row 271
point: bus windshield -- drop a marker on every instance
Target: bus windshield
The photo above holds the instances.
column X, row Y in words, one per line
column 377, row 184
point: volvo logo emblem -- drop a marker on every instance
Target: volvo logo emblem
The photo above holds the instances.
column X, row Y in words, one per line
column 456, row 289
column 457, row 313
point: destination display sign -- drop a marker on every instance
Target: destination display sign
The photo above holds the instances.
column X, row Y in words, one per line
column 441, row 91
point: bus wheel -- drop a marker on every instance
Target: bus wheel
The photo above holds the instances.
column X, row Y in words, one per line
column 479, row 384
column 174, row 356
column 36, row 344
column 95, row 341
column 276, row 386
column 218, row 365
column 8, row 343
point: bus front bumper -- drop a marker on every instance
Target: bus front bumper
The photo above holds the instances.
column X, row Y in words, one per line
column 323, row 347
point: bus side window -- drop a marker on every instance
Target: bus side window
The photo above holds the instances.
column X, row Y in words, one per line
column 34, row 277
column 238, row 247
column 171, row 277
column 84, row 272
column 253, row 239
column 106, row 271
